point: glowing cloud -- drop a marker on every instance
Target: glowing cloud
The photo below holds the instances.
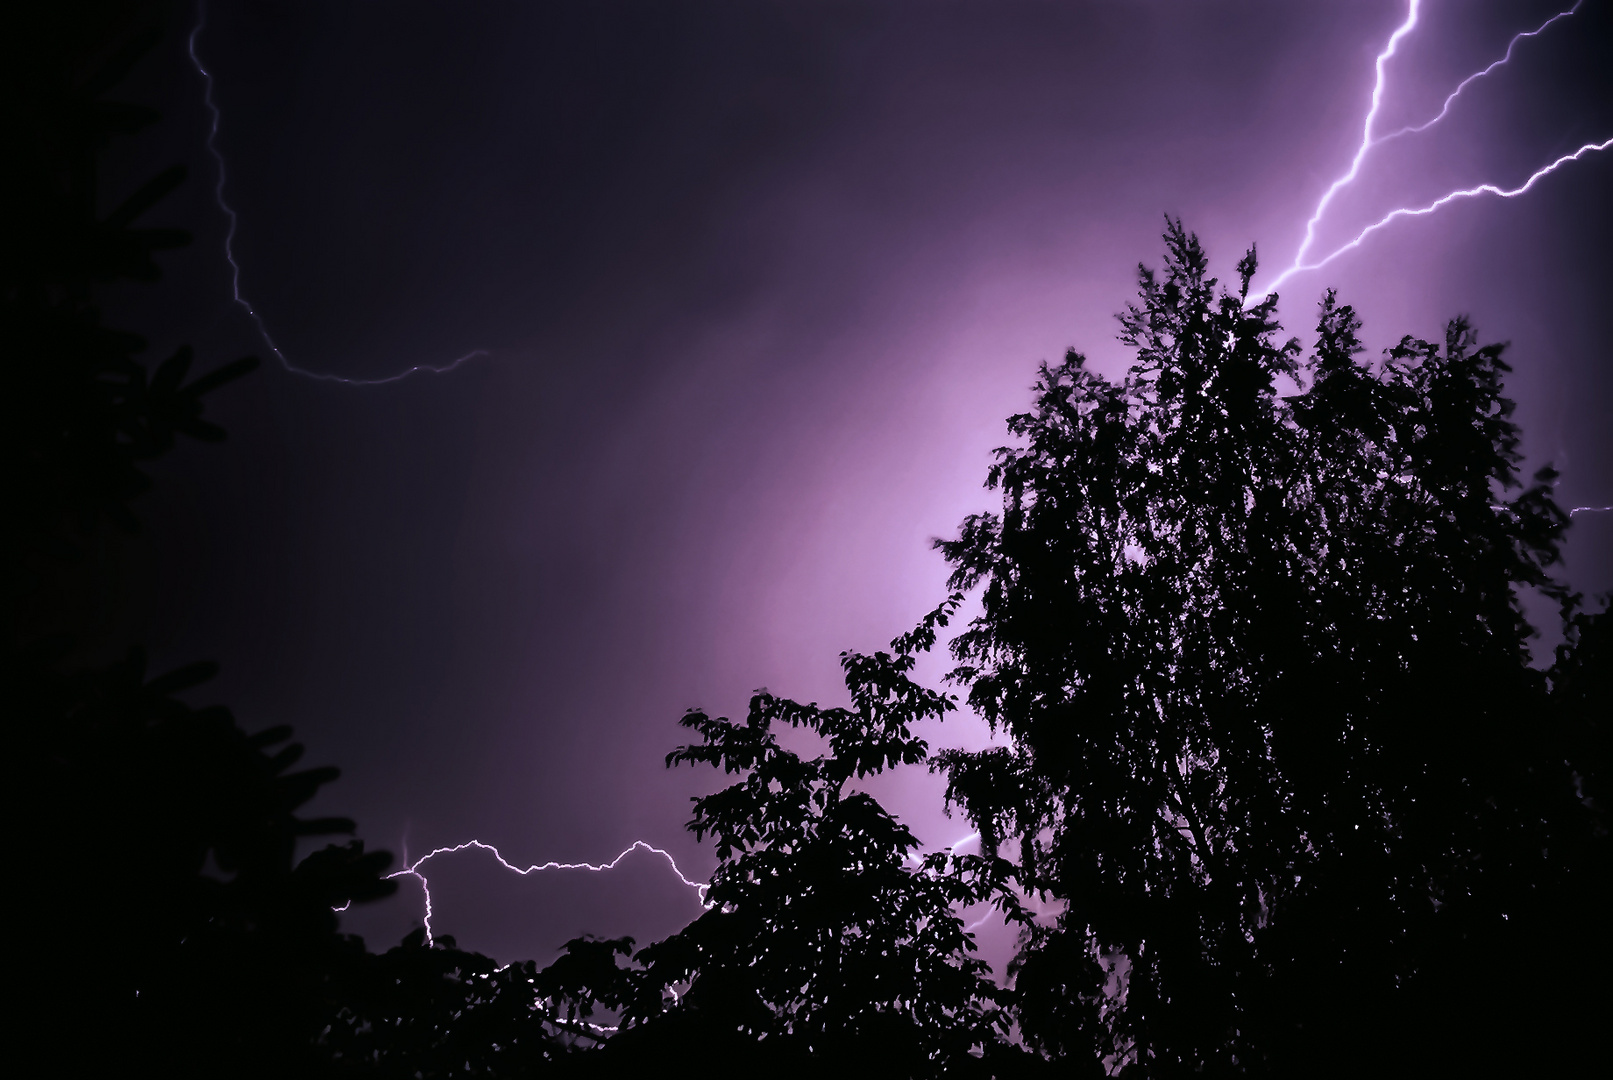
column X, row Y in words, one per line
column 1368, row 140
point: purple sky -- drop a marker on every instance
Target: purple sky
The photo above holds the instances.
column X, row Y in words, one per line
column 759, row 283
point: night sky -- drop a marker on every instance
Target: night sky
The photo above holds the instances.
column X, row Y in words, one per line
column 758, row 284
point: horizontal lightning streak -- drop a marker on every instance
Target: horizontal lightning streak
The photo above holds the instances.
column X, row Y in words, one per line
column 956, row 844
column 235, row 267
column 413, row 869
column 978, row 923
column 952, row 848
column 700, row 888
column 569, row 1025
column 1590, row 510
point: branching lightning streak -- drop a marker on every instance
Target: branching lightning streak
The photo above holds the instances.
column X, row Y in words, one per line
column 1464, row 193
column 1368, row 142
column 413, row 869
column 1477, row 75
column 1589, row 510
column 229, row 244
column 1366, row 131
column 699, row 888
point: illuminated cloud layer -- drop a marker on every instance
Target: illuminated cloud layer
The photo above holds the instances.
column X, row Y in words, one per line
column 762, row 285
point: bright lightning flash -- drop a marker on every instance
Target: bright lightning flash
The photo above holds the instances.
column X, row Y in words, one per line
column 1477, row 75
column 1366, row 133
column 1465, row 193
column 235, row 267
column 413, row 869
column 1368, row 142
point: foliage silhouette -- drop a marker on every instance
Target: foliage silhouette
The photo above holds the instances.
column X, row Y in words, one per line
column 167, row 924
column 828, row 943
column 1277, row 743
column 160, row 843
column 433, row 1010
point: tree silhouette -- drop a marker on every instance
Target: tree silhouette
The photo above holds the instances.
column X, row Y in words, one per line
column 424, row 1010
column 828, row 943
column 166, row 924
column 1277, row 741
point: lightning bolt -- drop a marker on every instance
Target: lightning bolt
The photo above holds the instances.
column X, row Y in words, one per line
column 1477, row 75
column 1589, row 510
column 953, row 850
column 1366, row 132
column 414, row 869
column 967, row 839
column 235, row 267
column 698, row 888
column 1444, row 200
column 1368, row 142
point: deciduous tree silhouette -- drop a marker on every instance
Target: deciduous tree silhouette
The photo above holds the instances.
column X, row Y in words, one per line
column 1277, row 741
column 434, row 1011
column 828, row 943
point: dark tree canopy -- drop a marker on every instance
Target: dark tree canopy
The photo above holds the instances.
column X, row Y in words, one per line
column 1277, row 741
column 828, row 943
